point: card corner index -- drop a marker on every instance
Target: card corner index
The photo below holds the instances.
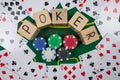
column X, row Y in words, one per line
column 42, row 18
column 59, row 16
column 89, row 35
column 78, row 21
column 27, row 30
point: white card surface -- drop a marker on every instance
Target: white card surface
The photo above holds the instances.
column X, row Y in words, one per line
column 6, row 74
column 18, row 58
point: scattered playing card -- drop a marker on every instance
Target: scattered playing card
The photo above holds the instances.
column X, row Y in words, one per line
column 53, row 72
column 87, row 64
column 3, row 18
column 117, row 34
column 110, row 70
column 33, row 71
column 70, row 4
column 102, row 64
column 6, row 74
column 9, row 38
column 69, row 72
column 3, row 55
column 91, row 7
column 107, row 21
column 107, row 63
column 105, row 75
column 18, row 58
column 111, row 7
column 33, row 6
column 109, row 46
column 14, row 9
column 84, row 74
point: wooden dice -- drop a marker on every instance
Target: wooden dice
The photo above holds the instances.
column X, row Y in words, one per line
column 42, row 18
column 59, row 16
column 78, row 21
column 89, row 35
column 28, row 30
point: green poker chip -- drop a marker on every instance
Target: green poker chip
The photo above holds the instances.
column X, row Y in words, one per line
column 54, row 41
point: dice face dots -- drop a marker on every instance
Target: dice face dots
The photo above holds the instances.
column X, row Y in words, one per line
column 59, row 16
column 78, row 21
column 27, row 30
column 89, row 35
column 42, row 18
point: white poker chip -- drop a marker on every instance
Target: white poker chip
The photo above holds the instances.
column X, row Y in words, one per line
column 48, row 54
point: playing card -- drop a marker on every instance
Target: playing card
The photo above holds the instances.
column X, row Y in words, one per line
column 18, row 58
column 108, row 18
column 91, row 7
column 6, row 22
column 3, row 18
column 3, row 55
column 49, row 5
column 14, row 9
column 2, row 10
column 117, row 34
column 33, row 71
column 107, row 63
column 9, row 39
column 107, row 24
column 109, row 46
column 83, row 75
column 90, row 59
column 6, row 74
column 81, row 4
column 53, row 72
column 110, row 69
column 110, row 7
column 87, row 64
column 69, row 72
column 33, row 6
column 107, row 21
column 105, row 75
column 71, row 3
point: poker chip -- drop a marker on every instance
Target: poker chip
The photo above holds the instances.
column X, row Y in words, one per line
column 63, row 54
column 48, row 54
column 54, row 41
column 70, row 42
column 39, row 43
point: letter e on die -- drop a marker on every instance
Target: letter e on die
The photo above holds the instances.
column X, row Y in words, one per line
column 78, row 21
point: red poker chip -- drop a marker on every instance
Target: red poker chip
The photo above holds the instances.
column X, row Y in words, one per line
column 70, row 42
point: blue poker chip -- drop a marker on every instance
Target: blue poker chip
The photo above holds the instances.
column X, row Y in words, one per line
column 39, row 43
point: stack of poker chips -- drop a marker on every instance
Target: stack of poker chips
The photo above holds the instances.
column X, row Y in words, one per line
column 54, row 48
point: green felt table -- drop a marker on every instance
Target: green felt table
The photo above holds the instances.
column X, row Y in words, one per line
column 1, row 48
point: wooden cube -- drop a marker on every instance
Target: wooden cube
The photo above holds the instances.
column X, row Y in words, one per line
column 59, row 16
column 89, row 35
column 28, row 30
column 78, row 21
column 42, row 18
